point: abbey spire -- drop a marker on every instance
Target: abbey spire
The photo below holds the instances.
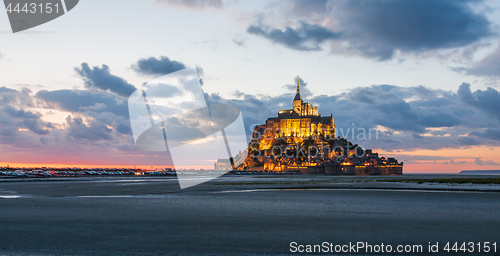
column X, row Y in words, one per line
column 297, row 96
column 298, row 84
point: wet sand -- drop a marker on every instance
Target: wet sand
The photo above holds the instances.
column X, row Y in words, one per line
column 151, row 216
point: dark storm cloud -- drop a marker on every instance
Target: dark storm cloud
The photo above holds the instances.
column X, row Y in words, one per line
column 194, row 4
column 377, row 29
column 101, row 78
column 157, row 66
column 305, row 37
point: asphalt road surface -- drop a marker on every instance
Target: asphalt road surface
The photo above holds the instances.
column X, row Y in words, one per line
column 152, row 216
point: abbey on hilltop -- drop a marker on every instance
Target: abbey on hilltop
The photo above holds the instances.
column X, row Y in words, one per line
column 303, row 120
column 301, row 140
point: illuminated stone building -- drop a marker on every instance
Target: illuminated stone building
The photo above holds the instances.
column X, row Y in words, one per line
column 303, row 120
column 301, row 140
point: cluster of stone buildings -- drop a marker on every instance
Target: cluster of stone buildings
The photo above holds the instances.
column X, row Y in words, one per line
column 301, row 140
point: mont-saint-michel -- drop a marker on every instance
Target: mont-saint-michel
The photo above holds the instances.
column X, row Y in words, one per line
column 301, row 140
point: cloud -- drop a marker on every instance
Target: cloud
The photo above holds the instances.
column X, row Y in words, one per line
column 194, row 4
column 96, row 130
column 487, row 100
column 102, row 79
column 466, row 141
column 35, row 126
column 157, row 66
column 112, row 121
column 239, row 42
column 452, row 161
column 99, row 107
column 306, row 8
column 400, row 117
column 14, row 97
column 305, row 37
column 162, row 90
column 378, row 29
column 82, row 100
column 21, row 113
column 440, row 120
column 96, row 107
column 304, row 91
column 479, row 161
column 405, row 117
column 78, row 130
column 15, row 117
column 375, row 29
column 124, row 129
column 491, row 134
column 489, row 66
column 26, row 119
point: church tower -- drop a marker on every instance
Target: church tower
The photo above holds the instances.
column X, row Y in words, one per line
column 297, row 101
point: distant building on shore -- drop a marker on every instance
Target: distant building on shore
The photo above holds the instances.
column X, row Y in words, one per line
column 223, row 164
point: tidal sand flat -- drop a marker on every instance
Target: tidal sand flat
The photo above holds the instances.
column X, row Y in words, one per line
column 153, row 216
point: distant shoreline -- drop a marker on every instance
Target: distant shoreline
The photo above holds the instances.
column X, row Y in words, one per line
column 481, row 172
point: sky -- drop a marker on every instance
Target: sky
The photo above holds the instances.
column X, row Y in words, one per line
column 425, row 74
